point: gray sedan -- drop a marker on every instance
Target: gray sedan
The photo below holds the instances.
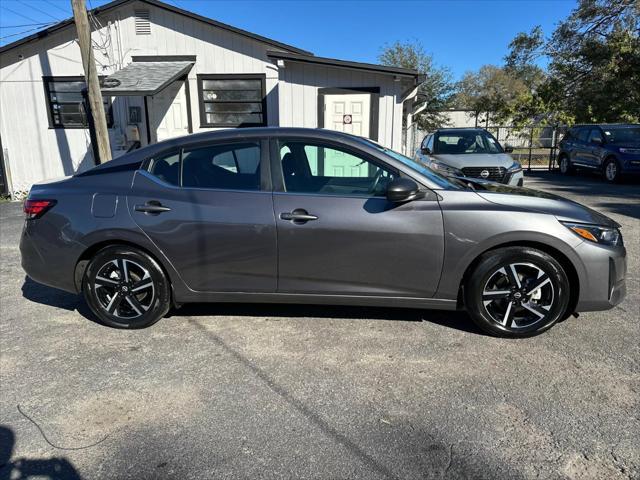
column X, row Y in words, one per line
column 318, row 217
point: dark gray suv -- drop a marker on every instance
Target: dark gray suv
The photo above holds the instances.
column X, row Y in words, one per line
column 319, row 217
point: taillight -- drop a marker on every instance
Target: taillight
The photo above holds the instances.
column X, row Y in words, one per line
column 37, row 208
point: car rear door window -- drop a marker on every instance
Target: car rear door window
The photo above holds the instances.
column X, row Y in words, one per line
column 309, row 167
column 231, row 166
column 166, row 167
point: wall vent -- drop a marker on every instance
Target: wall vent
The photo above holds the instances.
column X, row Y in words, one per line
column 143, row 25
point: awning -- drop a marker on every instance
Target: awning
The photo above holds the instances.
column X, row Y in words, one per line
column 144, row 78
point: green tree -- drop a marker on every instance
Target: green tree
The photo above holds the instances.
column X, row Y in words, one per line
column 437, row 88
column 493, row 91
column 593, row 64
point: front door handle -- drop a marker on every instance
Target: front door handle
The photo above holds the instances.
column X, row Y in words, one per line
column 152, row 207
column 299, row 216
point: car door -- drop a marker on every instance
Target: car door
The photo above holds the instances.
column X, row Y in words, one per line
column 595, row 144
column 338, row 234
column 581, row 150
column 209, row 209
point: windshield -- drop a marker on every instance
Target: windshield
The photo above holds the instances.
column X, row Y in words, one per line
column 440, row 180
column 462, row 142
column 622, row 134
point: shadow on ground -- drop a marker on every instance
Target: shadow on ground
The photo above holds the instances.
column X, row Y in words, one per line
column 53, row 297
column 54, row 468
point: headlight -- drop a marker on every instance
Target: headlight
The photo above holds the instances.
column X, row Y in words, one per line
column 633, row 151
column 595, row 233
column 446, row 169
column 516, row 167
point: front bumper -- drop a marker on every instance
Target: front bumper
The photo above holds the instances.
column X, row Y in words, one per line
column 603, row 284
column 515, row 179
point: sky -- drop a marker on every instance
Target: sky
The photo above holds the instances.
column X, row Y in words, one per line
column 462, row 35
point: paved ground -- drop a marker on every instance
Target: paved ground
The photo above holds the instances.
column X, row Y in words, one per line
column 327, row 393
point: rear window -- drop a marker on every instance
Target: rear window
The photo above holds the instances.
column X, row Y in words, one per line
column 229, row 167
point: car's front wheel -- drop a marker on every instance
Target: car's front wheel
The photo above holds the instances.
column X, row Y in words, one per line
column 611, row 170
column 517, row 292
column 126, row 288
column 565, row 165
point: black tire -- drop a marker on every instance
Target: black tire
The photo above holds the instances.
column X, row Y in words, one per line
column 566, row 168
column 141, row 289
column 503, row 306
column 611, row 170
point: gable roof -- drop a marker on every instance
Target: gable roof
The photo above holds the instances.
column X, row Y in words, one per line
column 156, row 3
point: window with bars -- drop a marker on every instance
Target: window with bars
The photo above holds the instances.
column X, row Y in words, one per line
column 68, row 104
column 232, row 100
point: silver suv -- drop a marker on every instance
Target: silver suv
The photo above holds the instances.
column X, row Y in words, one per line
column 469, row 152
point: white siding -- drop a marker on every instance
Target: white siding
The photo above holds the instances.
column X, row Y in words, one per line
column 35, row 151
column 298, row 97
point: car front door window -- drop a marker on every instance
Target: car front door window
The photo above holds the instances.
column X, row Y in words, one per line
column 327, row 170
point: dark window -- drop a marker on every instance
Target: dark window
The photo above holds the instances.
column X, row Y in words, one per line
column 231, row 166
column 67, row 102
column 596, row 135
column 232, row 101
column 309, row 167
column 166, row 167
column 583, row 133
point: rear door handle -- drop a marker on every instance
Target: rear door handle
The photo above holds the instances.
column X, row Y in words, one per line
column 299, row 215
column 152, row 207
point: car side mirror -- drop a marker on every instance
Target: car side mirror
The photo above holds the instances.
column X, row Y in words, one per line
column 508, row 149
column 425, row 150
column 403, row 190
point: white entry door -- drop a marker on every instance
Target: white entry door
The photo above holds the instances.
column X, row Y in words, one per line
column 169, row 112
column 349, row 113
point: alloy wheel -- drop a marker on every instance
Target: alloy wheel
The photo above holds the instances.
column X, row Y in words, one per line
column 611, row 171
column 564, row 165
column 124, row 288
column 518, row 295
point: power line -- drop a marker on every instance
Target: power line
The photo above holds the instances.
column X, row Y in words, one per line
column 56, row 6
column 42, row 11
column 20, row 33
column 26, row 25
column 20, row 14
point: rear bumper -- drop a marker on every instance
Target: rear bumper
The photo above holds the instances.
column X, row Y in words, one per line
column 43, row 262
column 604, row 285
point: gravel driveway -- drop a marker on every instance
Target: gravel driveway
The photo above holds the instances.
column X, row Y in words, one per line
column 264, row 391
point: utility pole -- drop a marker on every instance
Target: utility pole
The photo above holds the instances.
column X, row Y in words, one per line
column 93, row 83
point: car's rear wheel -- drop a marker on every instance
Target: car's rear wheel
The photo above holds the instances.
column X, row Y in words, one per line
column 126, row 288
column 565, row 165
column 611, row 170
column 517, row 292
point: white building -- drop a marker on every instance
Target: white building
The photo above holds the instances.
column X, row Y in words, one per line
column 169, row 72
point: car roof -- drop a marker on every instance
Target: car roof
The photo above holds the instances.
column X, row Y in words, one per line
column 602, row 125
column 232, row 134
column 461, row 129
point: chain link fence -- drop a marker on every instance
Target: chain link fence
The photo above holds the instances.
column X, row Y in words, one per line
column 535, row 147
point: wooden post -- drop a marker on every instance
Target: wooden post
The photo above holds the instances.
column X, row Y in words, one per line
column 93, row 83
